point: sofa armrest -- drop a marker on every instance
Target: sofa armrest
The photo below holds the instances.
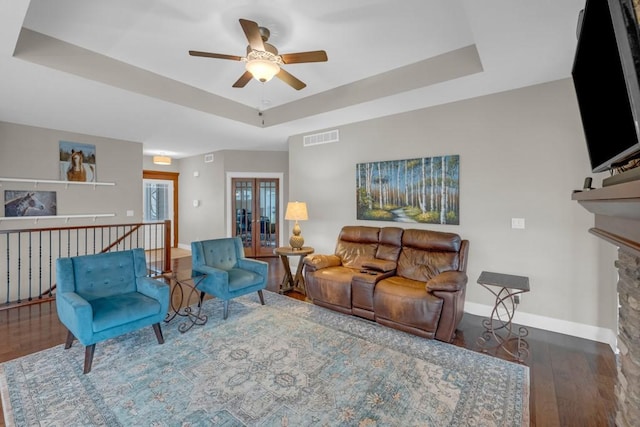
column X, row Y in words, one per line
column 450, row 281
column 254, row 265
column 155, row 289
column 76, row 314
column 316, row 262
column 211, row 272
column 379, row 265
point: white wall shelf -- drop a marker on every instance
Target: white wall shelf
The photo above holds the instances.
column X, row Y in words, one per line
column 52, row 181
column 65, row 217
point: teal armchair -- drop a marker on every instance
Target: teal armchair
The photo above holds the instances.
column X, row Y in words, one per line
column 228, row 273
column 105, row 295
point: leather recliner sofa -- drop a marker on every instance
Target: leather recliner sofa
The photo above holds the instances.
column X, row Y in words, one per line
column 408, row 279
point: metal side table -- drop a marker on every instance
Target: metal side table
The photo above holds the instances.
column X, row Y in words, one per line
column 499, row 327
column 184, row 293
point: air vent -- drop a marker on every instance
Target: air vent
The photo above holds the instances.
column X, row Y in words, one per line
column 321, row 138
column 208, row 158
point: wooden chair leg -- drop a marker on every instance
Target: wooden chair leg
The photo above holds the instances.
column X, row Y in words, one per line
column 88, row 357
column 69, row 342
column 226, row 310
column 201, row 299
column 158, row 331
column 261, row 297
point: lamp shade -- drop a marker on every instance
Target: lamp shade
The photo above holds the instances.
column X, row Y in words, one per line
column 296, row 211
column 162, row 160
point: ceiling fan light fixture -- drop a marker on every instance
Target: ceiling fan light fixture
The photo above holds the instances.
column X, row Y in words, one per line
column 263, row 65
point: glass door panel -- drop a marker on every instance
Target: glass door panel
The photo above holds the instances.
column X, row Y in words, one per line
column 255, row 211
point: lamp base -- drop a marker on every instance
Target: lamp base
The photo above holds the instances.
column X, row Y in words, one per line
column 296, row 242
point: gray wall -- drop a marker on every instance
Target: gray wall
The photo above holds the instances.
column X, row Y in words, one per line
column 521, row 153
column 210, row 219
column 33, row 153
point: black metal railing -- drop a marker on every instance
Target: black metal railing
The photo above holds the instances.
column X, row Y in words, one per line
column 28, row 256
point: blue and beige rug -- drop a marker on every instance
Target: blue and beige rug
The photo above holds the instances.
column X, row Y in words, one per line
column 287, row 363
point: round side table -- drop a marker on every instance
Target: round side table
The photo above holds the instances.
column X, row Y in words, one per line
column 290, row 281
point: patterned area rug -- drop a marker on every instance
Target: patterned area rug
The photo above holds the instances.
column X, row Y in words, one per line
column 287, row 363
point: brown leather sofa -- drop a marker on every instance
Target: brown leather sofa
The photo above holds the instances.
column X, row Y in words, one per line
column 412, row 280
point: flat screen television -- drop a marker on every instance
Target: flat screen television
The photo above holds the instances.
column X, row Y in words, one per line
column 605, row 73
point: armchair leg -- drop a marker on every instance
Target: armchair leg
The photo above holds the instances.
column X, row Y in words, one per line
column 158, row 331
column 226, row 310
column 201, row 298
column 69, row 342
column 261, row 297
column 88, row 357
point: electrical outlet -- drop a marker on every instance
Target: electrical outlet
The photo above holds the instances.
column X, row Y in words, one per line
column 516, row 299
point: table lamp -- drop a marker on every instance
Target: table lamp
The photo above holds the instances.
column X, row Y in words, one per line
column 296, row 211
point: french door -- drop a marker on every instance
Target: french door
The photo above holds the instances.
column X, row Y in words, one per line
column 255, row 214
column 160, row 200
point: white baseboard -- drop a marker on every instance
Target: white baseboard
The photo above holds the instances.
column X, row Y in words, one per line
column 186, row 246
column 593, row 333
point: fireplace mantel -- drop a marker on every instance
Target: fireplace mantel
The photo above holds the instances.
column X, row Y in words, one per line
column 617, row 213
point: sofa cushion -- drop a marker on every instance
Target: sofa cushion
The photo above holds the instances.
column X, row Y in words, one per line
column 110, row 311
column 333, row 286
column 406, row 302
column 390, row 243
column 110, row 274
column 425, row 254
column 357, row 244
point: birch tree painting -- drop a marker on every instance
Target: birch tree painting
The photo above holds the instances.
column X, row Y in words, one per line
column 422, row 190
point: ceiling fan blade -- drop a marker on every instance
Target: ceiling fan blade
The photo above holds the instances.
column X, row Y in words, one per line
column 214, row 55
column 290, row 80
column 252, row 31
column 243, row 80
column 296, row 58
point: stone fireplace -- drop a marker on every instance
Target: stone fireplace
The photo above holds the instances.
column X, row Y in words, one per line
column 617, row 220
column 628, row 387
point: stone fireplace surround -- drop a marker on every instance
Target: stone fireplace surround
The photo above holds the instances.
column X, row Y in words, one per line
column 617, row 220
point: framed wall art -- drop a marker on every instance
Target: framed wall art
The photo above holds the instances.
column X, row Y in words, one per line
column 29, row 203
column 77, row 162
column 424, row 190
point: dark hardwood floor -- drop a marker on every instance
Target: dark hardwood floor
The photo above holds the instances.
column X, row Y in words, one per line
column 572, row 379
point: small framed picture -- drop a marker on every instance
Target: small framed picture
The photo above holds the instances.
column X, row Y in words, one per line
column 77, row 162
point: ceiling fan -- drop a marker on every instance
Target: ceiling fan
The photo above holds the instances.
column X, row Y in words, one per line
column 263, row 61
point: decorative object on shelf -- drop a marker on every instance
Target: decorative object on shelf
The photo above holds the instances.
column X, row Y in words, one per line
column 29, row 203
column 162, row 160
column 296, row 211
column 77, row 162
column 425, row 190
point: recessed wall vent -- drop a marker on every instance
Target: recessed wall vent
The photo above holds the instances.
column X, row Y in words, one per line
column 208, row 158
column 321, row 138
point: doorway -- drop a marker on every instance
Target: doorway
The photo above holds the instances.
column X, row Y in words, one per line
column 160, row 199
column 255, row 214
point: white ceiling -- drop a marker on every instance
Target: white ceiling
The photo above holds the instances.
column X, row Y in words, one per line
column 120, row 68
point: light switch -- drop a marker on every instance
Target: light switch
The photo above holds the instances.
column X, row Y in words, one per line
column 517, row 223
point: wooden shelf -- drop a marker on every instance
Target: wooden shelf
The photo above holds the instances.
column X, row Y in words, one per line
column 617, row 213
column 51, row 181
column 65, row 217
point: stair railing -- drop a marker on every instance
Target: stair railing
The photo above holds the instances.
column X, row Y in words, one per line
column 28, row 256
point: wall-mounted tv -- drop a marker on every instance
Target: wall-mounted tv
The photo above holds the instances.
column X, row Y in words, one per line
column 606, row 72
